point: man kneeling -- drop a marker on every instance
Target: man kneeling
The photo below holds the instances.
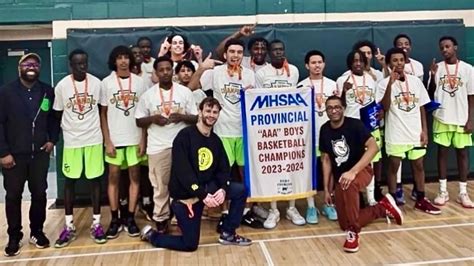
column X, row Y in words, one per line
column 200, row 175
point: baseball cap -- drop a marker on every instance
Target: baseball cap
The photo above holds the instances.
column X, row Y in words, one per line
column 30, row 55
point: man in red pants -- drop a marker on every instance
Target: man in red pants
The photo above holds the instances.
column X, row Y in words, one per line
column 347, row 149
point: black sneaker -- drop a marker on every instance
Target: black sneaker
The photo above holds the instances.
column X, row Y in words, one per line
column 250, row 220
column 132, row 228
column 39, row 240
column 234, row 239
column 114, row 229
column 13, row 247
column 162, row 227
column 221, row 223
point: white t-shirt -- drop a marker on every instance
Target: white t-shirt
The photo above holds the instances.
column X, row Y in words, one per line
column 359, row 97
column 80, row 122
column 329, row 88
column 270, row 77
column 151, row 103
column 147, row 72
column 226, row 90
column 454, row 103
column 199, row 95
column 175, row 76
column 414, row 68
column 120, row 112
column 403, row 120
column 378, row 74
column 247, row 62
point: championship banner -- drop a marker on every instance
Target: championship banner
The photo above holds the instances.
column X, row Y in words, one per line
column 278, row 135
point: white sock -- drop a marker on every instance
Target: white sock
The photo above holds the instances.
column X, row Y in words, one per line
column 462, row 187
column 95, row 219
column 399, row 174
column 69, row 221
column 310, row 201
column 246, row 210
column 146, row 200
column 443, row 185
column 370, row 190
column 273, row 205
column 292, row 203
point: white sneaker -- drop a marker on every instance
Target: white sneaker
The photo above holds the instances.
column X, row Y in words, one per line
column 442, row 198
column 464, row 200
column 260, row 211
column 294, row 216
column 272, row 219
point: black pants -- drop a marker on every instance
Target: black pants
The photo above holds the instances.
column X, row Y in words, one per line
column 35, row 171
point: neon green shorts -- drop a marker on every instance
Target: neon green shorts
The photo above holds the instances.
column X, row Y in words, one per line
column 402, row 151
column 234, row 148
column 90, row 157
column 378, row 139
column 125, row 157
column 450, row 135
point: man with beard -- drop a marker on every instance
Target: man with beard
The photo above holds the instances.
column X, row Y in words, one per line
column 163, row 111
column 200, row 175
column 28, row 131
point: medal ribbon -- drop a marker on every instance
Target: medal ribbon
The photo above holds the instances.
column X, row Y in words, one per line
column 286, row 67
column 166, row 104
column 80, row 102
column 319, row 96
column 125, row 95
column 452, row 78
column 359, row 93
column 234, row 69
column 406, row 91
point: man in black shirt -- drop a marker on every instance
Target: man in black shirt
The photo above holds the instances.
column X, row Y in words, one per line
column 347, row 149
column 200, row 175
column 28, row 131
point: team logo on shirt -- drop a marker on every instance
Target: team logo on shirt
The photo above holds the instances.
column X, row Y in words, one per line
column 81, row 104
column 450, row 84
column 205, row 158
column 278, row 84
column 406, row 101
column 341, row 150
column 124, row 101
column 169, row 107
column 231, row 92
column 361, row 95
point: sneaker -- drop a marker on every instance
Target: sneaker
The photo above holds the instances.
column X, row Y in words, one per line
column 465, row 201
column 97, row 233
column 392, row 209
column 442, row 198
column 272, row 219
column 115, row 228
column 329, row 210
column 147, row 210
column 221, row 223
column 294, row 216
column 312, row 215
column 66, row 237
column 162, row 227
column 352, row 242
column 13, row 247
column 413, row 195
column 250, row 220
column 131, row 227
column 260, row 211
column 425, row 205
column 399, row 195
column 234, row 239
column 146, row 233
column 39, row 240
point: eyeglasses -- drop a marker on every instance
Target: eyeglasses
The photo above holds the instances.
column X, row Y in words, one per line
column 30, row 65
column 334, row 108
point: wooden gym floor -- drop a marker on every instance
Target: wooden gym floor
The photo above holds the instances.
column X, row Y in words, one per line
column 423, row 239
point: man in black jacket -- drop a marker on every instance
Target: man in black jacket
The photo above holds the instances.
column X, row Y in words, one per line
column 200, row 175
column 28, row 131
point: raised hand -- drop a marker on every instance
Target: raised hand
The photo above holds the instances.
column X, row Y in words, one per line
column 164, row 48
column 247, row 30
column 433, row 67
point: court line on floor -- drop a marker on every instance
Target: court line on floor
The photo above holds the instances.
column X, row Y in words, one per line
column 436, row 261
column 266, row 253
column 66, row 256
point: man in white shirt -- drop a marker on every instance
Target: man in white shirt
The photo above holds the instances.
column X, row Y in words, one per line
column 145, row 45
column 369, row 50
column 163, row 110
column 406, row 133
column 77, row 97
column 412, row 66
column 323, row 87
column 452, row 82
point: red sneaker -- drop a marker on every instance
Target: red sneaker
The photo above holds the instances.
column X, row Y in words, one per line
column 425, row 205
column 388, row 202
column 352, row 242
